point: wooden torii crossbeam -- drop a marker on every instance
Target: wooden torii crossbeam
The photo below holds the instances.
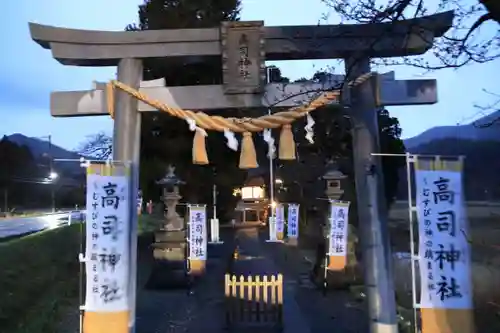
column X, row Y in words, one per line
column 106, row 48
column 93, row 102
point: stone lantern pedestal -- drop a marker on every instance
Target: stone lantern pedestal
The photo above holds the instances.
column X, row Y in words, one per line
column 170, row 238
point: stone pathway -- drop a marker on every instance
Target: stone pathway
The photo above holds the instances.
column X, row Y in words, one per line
column 201, row 309
column 255, row 261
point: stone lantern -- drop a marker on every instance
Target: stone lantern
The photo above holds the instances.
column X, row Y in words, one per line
column 170, row 239
column 253, row 200
column 333, row 177
column 170, row 197
column 334, row 191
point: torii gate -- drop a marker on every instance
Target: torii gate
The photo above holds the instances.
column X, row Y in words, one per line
column 354, row 43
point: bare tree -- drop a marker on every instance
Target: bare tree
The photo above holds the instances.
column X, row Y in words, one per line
column 489, row 108
column 468, row 41
column 99, row 146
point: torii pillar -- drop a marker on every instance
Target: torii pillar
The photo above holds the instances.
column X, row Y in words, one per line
column 372, row 208
column 126, row 148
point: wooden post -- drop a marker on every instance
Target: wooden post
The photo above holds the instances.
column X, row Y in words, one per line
column 250, row 306
column 265, row 298
column 257, row 298
column 227, row 297
column 279, row 287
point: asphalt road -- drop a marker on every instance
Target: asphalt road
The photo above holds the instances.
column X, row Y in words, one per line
column 22, row 225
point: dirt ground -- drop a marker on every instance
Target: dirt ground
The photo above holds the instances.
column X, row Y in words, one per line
column 484, row 235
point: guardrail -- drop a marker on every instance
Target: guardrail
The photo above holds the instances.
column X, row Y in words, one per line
column 11, row 228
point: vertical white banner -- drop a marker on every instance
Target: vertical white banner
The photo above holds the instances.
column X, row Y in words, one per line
column 293, row 221
column 444, row 253
column 214, row 231
column 272, row 229
column 280, row 218
column 339, row 222
column 107, row 238
column 197, row 232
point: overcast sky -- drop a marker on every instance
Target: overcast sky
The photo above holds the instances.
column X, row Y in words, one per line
column 28, row 73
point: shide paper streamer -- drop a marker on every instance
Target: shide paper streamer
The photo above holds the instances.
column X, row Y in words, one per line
column 232, row 143
column 309, row 128
column 270, row 141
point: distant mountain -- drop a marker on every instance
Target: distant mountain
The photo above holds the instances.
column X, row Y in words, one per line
column 39, row 148
column 481, row 165
column 462, row 132
column 479, row 145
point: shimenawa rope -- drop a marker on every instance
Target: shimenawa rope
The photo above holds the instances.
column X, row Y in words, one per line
column 246, row 126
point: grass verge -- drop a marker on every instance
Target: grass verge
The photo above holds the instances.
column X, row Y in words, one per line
column 39, row 274
column 39, row 278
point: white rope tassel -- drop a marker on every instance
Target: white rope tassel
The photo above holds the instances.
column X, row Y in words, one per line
column 192, row 126
column 270, row 141
column 309, row 128
column 232, row 143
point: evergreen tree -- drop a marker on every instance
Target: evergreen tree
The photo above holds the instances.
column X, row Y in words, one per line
column 166, row 139
column 333, row 140
column 20, row 176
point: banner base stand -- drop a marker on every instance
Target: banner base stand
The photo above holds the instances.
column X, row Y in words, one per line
column 274, row 241
column 197, row 267
column 216, row 242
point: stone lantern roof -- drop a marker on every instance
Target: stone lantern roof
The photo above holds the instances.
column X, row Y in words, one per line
column 334, row 174
column 333, row 171
column 254, row 181
column 170, row 179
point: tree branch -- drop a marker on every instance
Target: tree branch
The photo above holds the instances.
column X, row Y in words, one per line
column 99, row 146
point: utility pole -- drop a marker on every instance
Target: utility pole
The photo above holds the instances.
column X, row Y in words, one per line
column 271, row 166
column 214, row 193
column 51, row 176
